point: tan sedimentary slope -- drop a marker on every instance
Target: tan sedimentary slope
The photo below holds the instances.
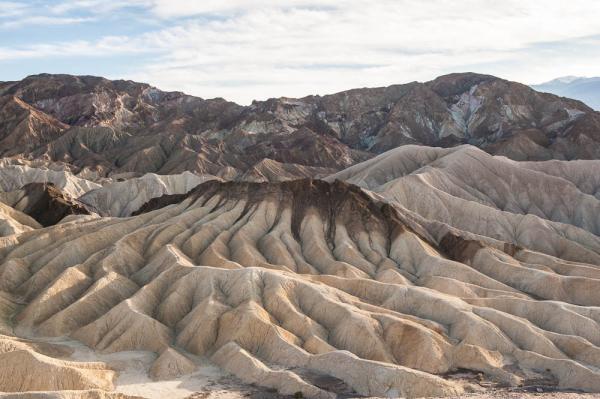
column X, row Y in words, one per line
column 14, row 176
column 584, row 174
column 269, row 170
column 121, row 198
column 548, row 207
column 14, row 222
column 26, row 366
column 72, row 394
column 268, row 280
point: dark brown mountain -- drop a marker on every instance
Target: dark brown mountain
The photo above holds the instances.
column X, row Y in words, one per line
column 122, row 126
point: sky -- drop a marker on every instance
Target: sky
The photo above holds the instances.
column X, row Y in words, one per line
column 256, row 49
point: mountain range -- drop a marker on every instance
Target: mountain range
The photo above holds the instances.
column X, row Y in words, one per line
column 434, row 239
column 583, row 89
column 98, row 127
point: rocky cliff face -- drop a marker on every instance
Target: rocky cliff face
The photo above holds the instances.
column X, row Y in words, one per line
column 112, row 127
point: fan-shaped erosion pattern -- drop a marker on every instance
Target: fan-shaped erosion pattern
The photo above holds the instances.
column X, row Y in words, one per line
column 271, row 280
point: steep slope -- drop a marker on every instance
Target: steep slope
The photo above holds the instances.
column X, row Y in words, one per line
column 14, row 175
column 585, row 175
column 121, row 198
column 108, row 128
column 582, row 89
column 269, row 170
column 29, row 366
column 274, row 281
column 123, row 126
column 14, row 222
column 24, row 127
column 45, row 203
column 466, row 189
column 482, row 110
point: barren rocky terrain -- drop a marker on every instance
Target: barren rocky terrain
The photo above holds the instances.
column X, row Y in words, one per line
column 436, row 239
column 99, row 127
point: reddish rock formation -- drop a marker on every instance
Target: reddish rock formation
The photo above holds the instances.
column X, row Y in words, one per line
column 123, row 126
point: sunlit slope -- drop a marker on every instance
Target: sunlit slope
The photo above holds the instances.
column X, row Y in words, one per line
column 269, row 279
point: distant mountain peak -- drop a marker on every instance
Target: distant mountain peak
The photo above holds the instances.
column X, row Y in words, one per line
column 563, row 79
column 577, row 87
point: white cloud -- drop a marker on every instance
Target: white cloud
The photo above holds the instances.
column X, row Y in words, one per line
column 108, row 46
column 185, row 8
column 242, row 50
column 269, row 51
column 15, row 15
column 42, row 20
column 92, row 6
column 9, row 9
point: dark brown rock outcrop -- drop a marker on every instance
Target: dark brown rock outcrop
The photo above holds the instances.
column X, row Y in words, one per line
column 335, row 202
column 44, row 202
